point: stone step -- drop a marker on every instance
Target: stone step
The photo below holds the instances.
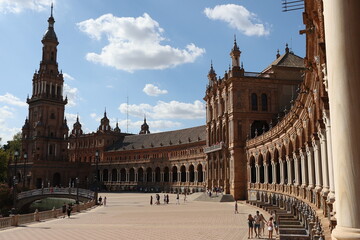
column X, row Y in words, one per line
column 293, row 237
column 296, row 231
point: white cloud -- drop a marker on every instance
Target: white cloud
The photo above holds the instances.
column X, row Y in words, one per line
column 17, row 6
column 135, row 44
column 6, row 132
column 8, row 98
column 68, row 76
column 72, row 95
column 153, row 90
column 238, row 17
column 166, row 110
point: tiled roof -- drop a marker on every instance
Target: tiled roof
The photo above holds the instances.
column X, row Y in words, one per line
column 170, row 138
column 288, row 59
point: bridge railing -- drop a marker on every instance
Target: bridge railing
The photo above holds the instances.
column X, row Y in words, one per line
column 53, row 191
column 16, row 220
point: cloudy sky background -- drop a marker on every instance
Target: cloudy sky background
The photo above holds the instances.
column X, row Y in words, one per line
column 136, row 58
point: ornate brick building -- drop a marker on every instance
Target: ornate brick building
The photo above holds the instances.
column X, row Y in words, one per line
column 243, row 104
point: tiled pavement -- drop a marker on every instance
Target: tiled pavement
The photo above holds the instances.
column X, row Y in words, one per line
column 130, row 216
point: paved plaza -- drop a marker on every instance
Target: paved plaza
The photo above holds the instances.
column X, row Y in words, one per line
column 130, row 216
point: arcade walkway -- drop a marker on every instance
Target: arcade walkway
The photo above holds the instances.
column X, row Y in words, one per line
column 129, row 216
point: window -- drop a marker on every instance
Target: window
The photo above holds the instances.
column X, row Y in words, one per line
column 264, row 103
column 254, row 103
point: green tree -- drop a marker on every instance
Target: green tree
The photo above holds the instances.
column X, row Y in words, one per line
column 7, row 153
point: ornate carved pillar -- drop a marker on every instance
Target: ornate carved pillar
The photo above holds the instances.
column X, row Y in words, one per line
column 304, row 169
column 318, row 165
column 282, row 171
column 257, row 173
column 289, row 169
column 331, row 195
column 324, row 163
column 266, row 177
column 161, row 176
column 297, row 169
column 196, row 176
column 274, row 175
column 310, row 166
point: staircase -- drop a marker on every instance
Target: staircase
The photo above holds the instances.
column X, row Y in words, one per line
column 290, row 227
column 215, row 198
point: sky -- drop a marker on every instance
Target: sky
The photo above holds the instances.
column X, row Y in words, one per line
column 136, row 58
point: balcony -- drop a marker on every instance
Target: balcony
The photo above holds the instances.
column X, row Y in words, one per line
column 214, row 148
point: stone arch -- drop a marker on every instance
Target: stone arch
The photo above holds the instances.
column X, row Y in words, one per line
column 123, row 175
column 157, row 174
column 140, row 174
column 174, row 174
column 191, row 173
column 269, row 168
column 166, row 174
column 114, row 175
column 105, row 175
column 183, row 173
column 200, row 172
column 252, row 169
column 277, row 166
column 261, row 166
column 131, row 175
column 149, row 174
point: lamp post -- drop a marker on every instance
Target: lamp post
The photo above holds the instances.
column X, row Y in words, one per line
column 77, row 190
column 24, row 175
column 16, row 155
column 96, row 175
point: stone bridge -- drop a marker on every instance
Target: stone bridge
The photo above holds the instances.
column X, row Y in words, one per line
column 24, row 199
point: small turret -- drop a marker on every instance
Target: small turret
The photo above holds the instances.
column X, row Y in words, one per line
column 144, row 128
column 77, row 128
column 117, row 129
column 211, row 75
column 235, row 54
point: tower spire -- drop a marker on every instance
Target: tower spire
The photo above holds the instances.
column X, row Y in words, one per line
column 52, row 8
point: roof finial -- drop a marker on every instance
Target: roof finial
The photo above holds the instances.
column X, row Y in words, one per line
column 52, row 7
column 278, row 54
column 105, row 112
column 286, row 48
column 77, row 117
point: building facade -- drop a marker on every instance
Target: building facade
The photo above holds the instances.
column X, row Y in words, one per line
column 241, row 105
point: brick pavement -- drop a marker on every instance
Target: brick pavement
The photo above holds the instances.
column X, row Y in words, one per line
column 129, row 216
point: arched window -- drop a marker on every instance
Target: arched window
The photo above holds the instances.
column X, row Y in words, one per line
column 254, row 103
column 264, row 102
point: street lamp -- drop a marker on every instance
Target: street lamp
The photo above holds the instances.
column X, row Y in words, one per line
column 24, row 175
column 16, row 155
column 96, row 175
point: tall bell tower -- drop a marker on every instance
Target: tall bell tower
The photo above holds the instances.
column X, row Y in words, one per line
column 45, row 130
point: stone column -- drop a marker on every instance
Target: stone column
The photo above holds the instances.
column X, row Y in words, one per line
column 266, row 177
column 127, row 175
column 187, row 176
column 196, row 176
column 326, row 118
column 161, row 176
column 136, row 177
column 297, row 169
column 318, row 169
column 257, row 173
column 274, row 175
column 153, row 177
column 118, row 175
column 324, row 163
column 304, row 169
column 282, row 171
column 343, row 58
column 170, row 176
column 311, row 167
column 289, row 167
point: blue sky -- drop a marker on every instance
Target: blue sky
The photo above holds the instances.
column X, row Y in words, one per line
column 156, row 53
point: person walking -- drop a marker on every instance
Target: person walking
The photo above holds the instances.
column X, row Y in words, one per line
column 184, row 197
column 257, row 224
column 104, row 201
column 276, row 222
column 251, row 226
column 167, row 198
column 262, row 225
column 100, row 200
column 177, row 199
column 69, row 209
column 151, row 200
column 270, row 227
column 64, row 210
column 236, row 207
